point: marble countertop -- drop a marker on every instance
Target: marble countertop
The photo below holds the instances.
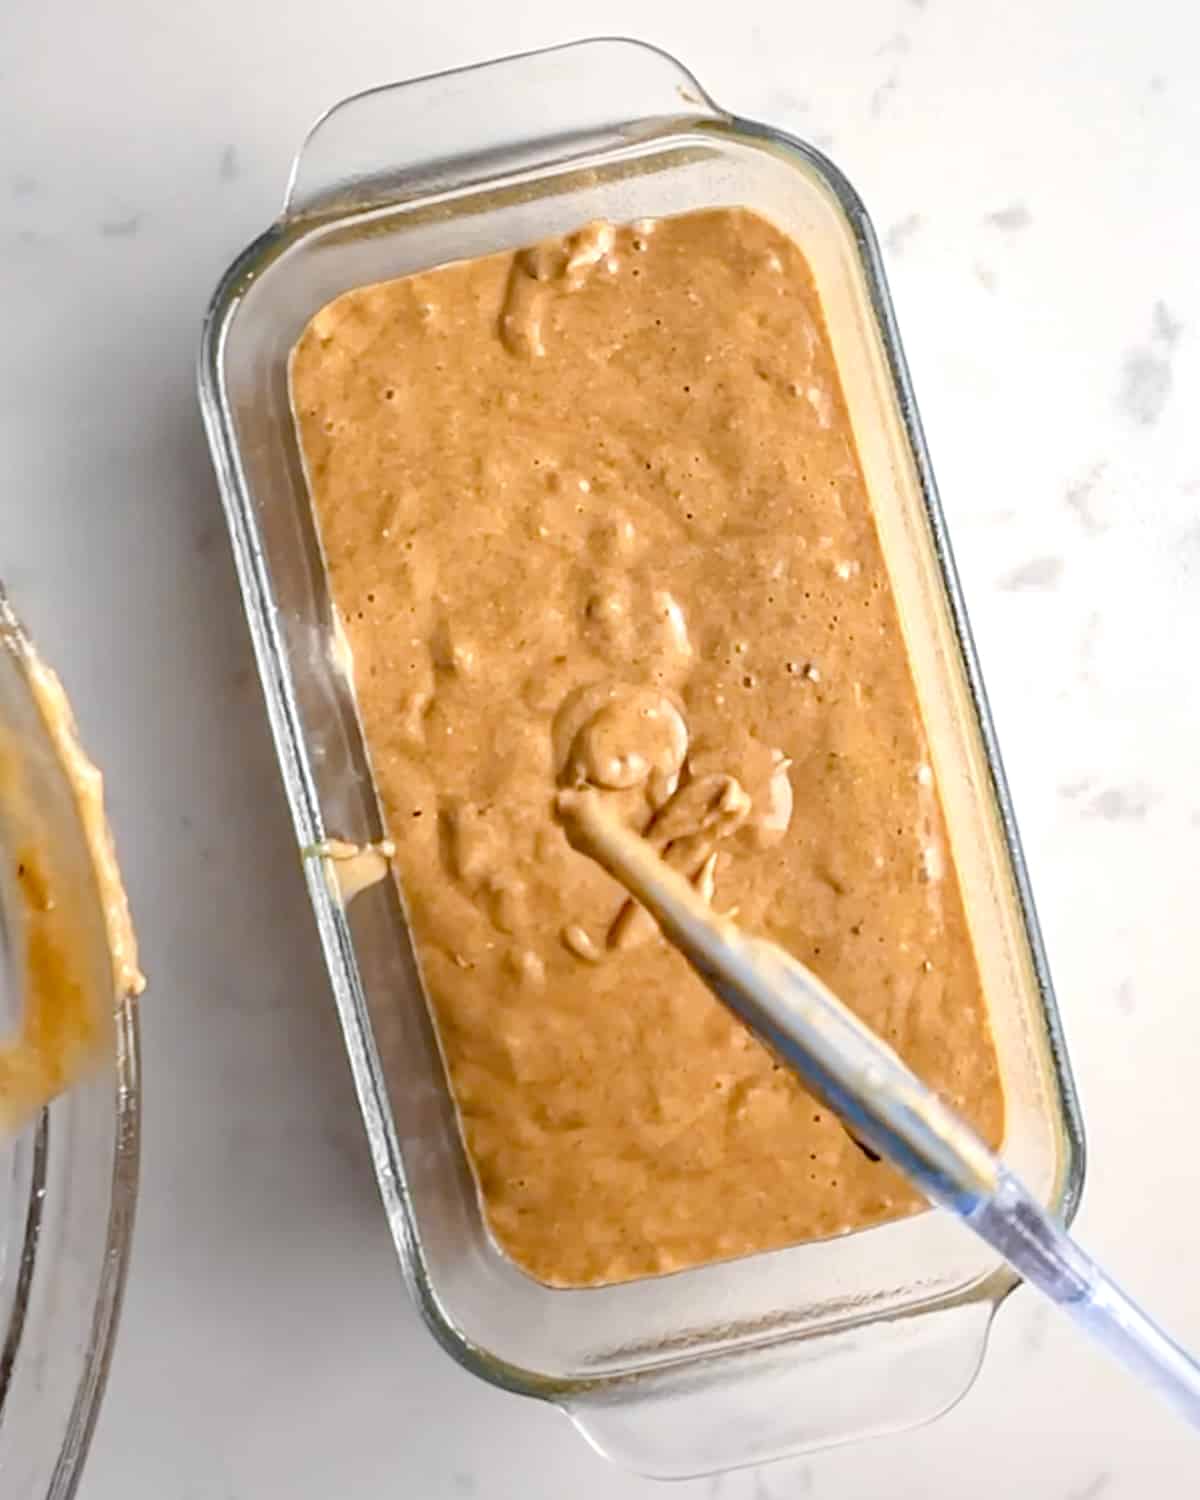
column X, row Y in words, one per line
column 1031, row 168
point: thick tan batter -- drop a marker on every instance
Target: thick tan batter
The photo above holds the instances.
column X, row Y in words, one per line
column 64, row 1021
column 593, row 515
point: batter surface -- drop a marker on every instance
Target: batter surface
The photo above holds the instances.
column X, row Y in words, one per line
column 593, row 515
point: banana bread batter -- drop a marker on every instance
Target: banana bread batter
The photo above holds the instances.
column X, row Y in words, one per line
column 65, row 1020
column 593, row 516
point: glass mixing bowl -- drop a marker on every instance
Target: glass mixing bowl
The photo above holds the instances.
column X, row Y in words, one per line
column 68, row 1178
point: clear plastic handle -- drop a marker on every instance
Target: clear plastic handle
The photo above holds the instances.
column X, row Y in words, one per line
column 1049, row 1259
column 396, row 141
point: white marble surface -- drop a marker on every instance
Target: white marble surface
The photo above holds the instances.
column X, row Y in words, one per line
column 1032, row 169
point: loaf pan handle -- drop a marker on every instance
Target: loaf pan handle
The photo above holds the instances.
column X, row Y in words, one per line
column 479, row 123
column 793, row 1398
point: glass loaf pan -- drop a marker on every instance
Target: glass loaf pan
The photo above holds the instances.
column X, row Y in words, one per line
column 731, row 1363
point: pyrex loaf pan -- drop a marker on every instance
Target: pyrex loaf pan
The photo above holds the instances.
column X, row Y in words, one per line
column 736, row 1362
